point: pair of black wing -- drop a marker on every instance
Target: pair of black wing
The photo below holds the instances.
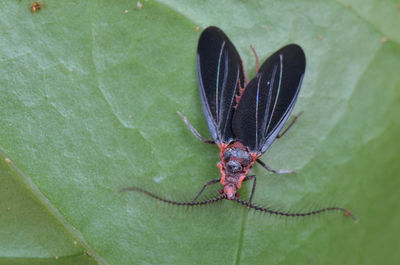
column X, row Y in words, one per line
column 267, row 101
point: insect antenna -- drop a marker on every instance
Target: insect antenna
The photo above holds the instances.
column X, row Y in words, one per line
column 279, row 213
column 191, row 203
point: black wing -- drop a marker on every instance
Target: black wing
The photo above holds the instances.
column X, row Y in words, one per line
column 219, row 70
column 269, row 99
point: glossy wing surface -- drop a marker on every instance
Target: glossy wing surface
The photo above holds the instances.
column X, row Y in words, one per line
column 269, row 98
column 219, row 70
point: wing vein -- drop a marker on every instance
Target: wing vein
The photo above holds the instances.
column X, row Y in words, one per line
column 269, row 98
column 217, row 84
column 202, row 90
column 257, row 102
column 277, row 94
column 221, row 97
column 232, row 98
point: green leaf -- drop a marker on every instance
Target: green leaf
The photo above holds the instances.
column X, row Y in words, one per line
column 88, row 99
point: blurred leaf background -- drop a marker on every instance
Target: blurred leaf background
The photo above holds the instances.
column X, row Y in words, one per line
column 88, row 97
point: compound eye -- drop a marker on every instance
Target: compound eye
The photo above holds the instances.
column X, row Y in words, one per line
column 246, row 161
column 221, row 191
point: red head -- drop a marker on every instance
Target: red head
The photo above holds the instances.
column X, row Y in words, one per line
column 230, row 191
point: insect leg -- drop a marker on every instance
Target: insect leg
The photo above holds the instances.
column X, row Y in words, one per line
column 194, row 131
column 274, row 170
column 279, row 136
column 254, row 186
column 255, row 55
column 290, row 125
column 205, row 186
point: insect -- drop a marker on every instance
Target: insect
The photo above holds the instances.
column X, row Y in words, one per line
column 244, row 117
column 36, row 6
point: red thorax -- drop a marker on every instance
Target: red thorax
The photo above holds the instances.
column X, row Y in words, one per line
column 235, row 164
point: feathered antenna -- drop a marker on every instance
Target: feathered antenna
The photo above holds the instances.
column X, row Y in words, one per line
column 267, row 210
column 191, row 203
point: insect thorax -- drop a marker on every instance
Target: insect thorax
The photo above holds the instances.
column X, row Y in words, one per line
column 236, row 159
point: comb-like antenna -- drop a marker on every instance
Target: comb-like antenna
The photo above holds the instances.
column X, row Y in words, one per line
column 266, row 210
column 191, row 203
